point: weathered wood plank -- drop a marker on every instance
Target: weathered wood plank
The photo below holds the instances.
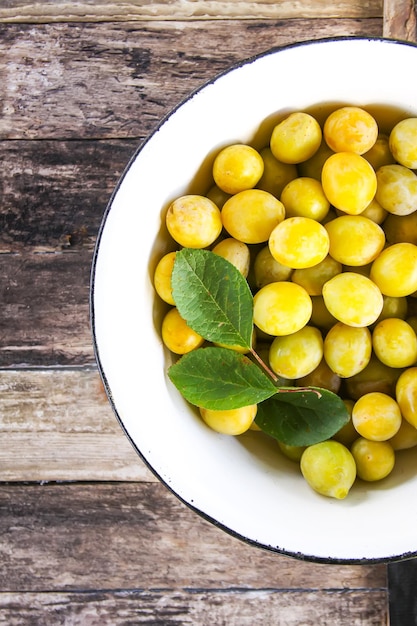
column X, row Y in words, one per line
column 77, row 456
column 58, row 425
column 54, row 193
column 117, row 80
column 139, row 536
column 89, row 10
column 54, row 196
column 44, row 317
column 400, row 20
column 237, row 607
column 65, row 401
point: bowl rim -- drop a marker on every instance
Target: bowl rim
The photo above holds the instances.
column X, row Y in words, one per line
column 329, row 560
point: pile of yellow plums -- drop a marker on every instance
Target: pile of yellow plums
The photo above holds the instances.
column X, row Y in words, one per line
column 322, row 222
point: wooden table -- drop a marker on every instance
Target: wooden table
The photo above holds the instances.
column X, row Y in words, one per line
column 87, row 534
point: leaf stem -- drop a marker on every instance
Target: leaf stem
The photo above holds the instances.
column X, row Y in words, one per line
column 300, row 389
column 271, row 374
column 264, row 366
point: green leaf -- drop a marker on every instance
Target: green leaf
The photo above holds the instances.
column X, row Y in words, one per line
column 302, row 417
column 215, row 300
column 213, row 297
column 220, row 378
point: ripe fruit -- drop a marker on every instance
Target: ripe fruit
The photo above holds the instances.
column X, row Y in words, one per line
column 406, row 395
column 380, row 153
column 349, row 182
column 193, row 221
column 299, row 242
column 281, row 308
column 251, row 215
column 403, row 142
column 236, row 252
column 177, row 335
column 396, row 189
column 304, row 197
column 374, row 459
column 268, row 270
column 237, row 167
column 230, row 422
column 313, row 278
column 322, row 225
column 296, row 138
column 350, row 129
column 276, row 174
column 394, row 271
column 354, row 239
column 376, row 416
column 297, row 354
column 405, row 437
column 347, row 350
column 395, row 342
column 162, row 277
column 353, row 299
column 329, row 468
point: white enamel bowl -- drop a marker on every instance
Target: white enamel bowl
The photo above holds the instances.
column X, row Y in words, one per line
column 243, row 484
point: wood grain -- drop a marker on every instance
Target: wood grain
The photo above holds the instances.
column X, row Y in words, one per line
column 117, row 80
column 237, row 607
column 139, row 536
column 44, row 317
column 400, row 20
column 41, row 401
column 89, row 10
column 59, row 425
column 54, row 193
